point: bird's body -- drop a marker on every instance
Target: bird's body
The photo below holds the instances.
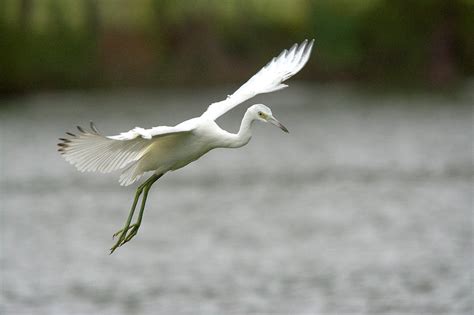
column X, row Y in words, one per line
column 163, row 149
column 178, row 150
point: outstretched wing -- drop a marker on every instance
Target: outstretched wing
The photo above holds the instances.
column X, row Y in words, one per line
column 90, row 151
column 270, row 78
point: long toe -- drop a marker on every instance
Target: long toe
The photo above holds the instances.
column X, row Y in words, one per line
column 117, row 233
column 113, row 248
column 131, row 234
column 122, row 230
column 120, row 240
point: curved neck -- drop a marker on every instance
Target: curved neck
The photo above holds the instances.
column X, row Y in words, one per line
column 245, row 132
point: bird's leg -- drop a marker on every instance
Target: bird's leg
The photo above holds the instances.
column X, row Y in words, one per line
column 134, row 227
column 123, row 232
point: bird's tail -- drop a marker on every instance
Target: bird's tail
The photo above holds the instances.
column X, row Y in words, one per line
column 131, row 174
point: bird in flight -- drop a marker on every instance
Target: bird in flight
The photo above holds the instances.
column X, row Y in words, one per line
column 162, row 149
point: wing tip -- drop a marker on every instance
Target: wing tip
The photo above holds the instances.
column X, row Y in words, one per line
column 63, row 146
column 94, row 128
column 289, row 66
column 310, row 45
column 93, row 131
column 307, row 45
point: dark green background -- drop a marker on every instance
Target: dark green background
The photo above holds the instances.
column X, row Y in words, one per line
column 56, row 44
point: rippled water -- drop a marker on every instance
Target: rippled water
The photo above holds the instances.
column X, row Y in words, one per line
column 364, row 208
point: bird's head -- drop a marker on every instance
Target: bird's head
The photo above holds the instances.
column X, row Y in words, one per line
column 263, row 113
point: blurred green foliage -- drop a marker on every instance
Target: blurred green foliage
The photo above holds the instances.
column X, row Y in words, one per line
column 89, row 43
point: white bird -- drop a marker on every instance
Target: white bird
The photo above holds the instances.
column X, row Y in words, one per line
column 163, row 149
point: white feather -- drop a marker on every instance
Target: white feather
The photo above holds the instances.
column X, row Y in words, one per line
column 268, row 79
column 164, row 148
column 90, row 151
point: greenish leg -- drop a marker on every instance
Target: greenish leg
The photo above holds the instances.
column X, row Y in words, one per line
column 130, row 215
column 123, row 232
column 136, row 225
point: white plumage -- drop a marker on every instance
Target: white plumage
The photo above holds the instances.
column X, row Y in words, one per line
column 90, row 151
column 268, row 79
column 162, row 149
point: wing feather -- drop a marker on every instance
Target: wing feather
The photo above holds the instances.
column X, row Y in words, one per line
column 90, row 151
column 270, row 78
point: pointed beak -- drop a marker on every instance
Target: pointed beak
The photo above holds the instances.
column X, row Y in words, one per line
column 275, row 122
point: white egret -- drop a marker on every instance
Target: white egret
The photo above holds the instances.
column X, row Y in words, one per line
column 163, row 149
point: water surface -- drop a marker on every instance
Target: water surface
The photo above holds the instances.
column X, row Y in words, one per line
column 364, row 208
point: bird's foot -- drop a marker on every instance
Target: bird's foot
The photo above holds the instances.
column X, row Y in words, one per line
column 131, row 233
column 119, row 232
column 126, row 234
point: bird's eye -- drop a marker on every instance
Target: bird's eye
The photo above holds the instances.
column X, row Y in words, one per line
column 260, row 114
